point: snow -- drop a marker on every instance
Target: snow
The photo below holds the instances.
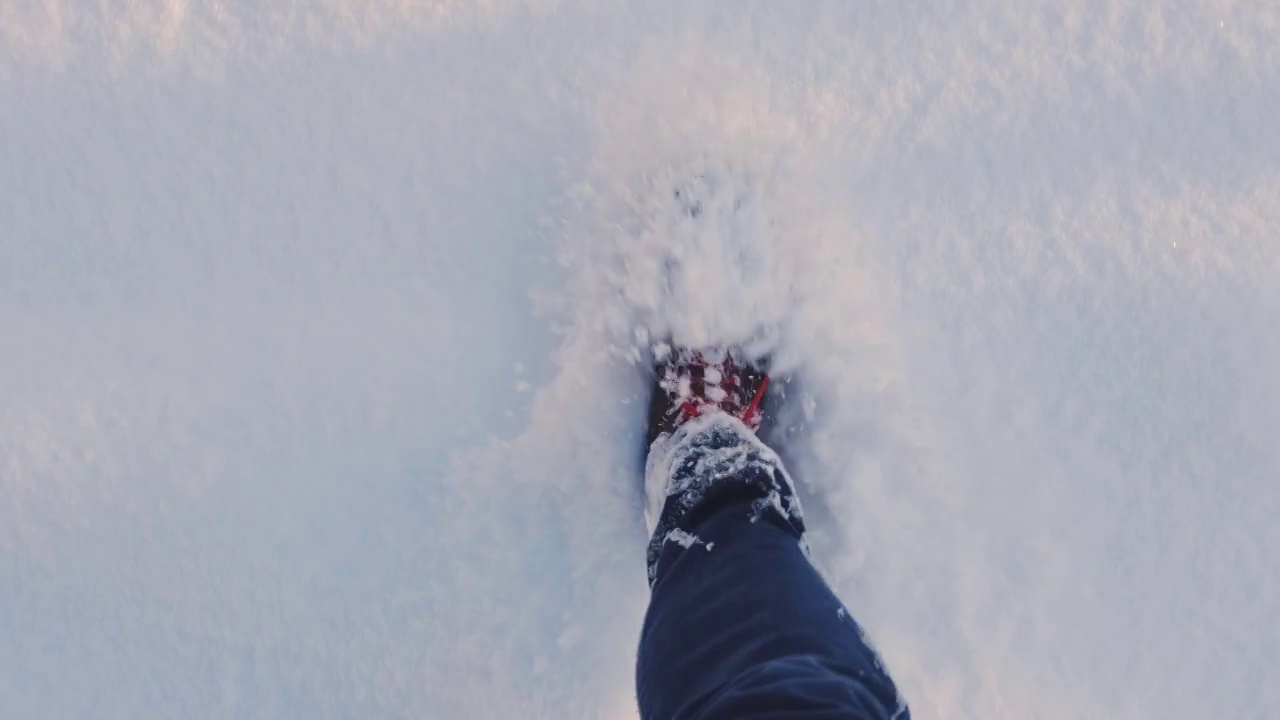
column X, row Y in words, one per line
column 270, row 273
column 686, row 540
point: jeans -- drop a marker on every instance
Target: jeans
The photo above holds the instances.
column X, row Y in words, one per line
column 740, row 625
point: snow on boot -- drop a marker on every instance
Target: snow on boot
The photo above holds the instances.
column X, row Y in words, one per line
column 692, row 383
column 707, row 407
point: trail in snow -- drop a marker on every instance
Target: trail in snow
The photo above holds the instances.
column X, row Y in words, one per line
column 322, row 386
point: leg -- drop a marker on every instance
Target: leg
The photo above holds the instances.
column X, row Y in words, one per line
column 740, row 624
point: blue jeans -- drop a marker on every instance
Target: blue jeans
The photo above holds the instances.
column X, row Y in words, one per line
column 740, row 625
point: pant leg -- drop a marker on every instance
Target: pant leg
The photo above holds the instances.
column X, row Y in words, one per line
column 740, row 624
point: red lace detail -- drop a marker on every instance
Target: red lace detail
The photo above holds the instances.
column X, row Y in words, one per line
column 730, row 383
column 752, row 416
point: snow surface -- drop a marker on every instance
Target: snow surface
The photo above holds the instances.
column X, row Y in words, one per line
column 317, row 321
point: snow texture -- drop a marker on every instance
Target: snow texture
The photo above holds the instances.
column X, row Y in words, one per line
column 270, row 271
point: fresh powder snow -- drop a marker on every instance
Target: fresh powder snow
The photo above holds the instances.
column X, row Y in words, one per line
column 324, row 327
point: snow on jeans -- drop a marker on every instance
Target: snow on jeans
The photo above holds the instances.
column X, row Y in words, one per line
column 740, row 625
